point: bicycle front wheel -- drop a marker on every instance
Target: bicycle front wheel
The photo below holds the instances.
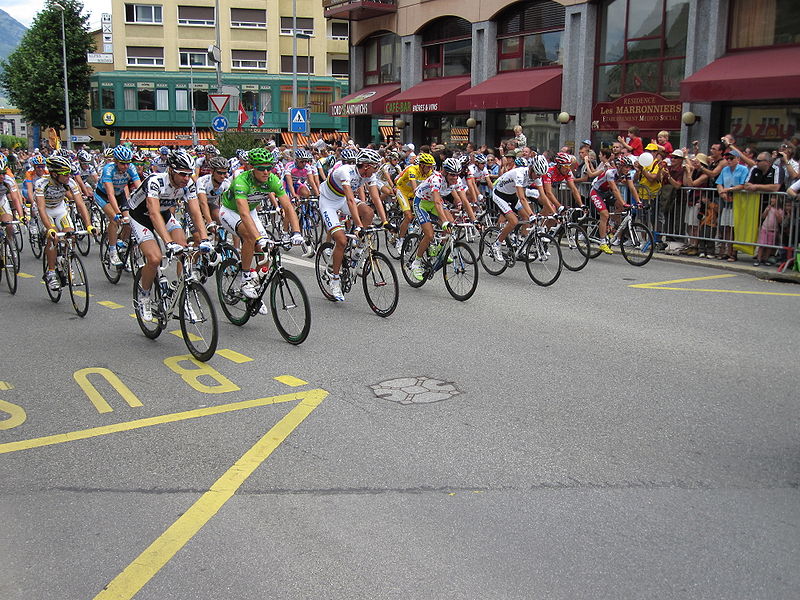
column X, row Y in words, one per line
column 291, row 310
column 36, row 240
column 575, row 246
column 636, row 244
column 592, row 230
column 78, row 285
column 490, row 264
column 407, row 256
column 461, row 275
column 233, row 302
column 323, row 265
column 543, row 259
column 8, row 251
column 198, row 321
column 153, row 328
column 19, row 239
column 111, row 272
column 380, row 284
column 55, row 295
column 391, row 237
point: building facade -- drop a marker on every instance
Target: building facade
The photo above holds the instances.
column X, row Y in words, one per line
column 163, row 70
column 570, row 70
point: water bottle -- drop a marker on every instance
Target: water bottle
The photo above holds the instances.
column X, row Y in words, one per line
column 166, row 289
column 356, row 256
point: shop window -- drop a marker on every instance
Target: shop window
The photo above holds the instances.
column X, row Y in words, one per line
column 530, row 35
column 149, row 14
column 250, row 101
column 382, row 59
column 145, row 99
column 249, row 18
column 302, row 64
column 642, row 47
column 758, row 23
column 94, row 98
column 199, row 16
column 129, row 96
column 320, row 101
column 447, row 48
column 107, row 98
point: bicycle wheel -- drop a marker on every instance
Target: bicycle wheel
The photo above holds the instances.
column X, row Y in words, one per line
column 7, row 252
column 98, row 218
column 407, row 256
column 198, row 321
column 19, row 238
column 14, row 248
column 36, row 240
column 83, row 243
column 461, row 275
column 135, row 258
column 323, row 265
column 291, row 310
column 78, row 285
column 234, row 303
column 590, row 226
column 490, row 264
column 543, row 259
column 575, row 246
column 55, row 295
column 380, row 284
column 636, row 244
column 151, row 329
column 111, row 272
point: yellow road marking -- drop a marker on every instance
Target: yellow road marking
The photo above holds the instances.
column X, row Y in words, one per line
column 145, row 566
column 663, row 285
column 659, row 283
column 290, row 380
column 16, row 413
column 83, row 434
column 25, row 275
column 4, row 385
column 233, row 356
column 110, row 304
column 132, row 315
column 192, row 337
column 81, row 293
column 100, row 403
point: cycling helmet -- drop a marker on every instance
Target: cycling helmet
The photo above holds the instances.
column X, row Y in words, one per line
column 163, row 150
column 624, row 161
column 520, row 161
column 426, row 159
column 60, row 165
column 180, row 160
column 211, row 148
column 562, row 158
column 368, row 157
column 108, row 153
column 539, row 165
column 123, row 154
column 452, row 166
column 64, row 152
column 242, row 155
column 84, row 156
column 302, row 154
column 393, row 156
column 349, row 155
column 199, row 148
column 38, row 161
column 218, row 163
column 261, row 156
column 140, row 157
column 480, row 158
column 3, row 165
column 233, row 163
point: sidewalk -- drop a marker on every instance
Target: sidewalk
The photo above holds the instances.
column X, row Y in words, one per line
column 742, row 266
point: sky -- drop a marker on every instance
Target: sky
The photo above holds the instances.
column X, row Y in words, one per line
column 25, row 10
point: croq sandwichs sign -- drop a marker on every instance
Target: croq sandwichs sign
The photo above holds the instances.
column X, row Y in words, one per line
column 642, row 109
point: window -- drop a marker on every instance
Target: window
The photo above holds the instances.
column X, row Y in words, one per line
column 194, row 57
column 200, row 99
column 145, row 56
column 249, row 101
column 304, row 26
column 249, row 59
column 202, row 16
column 302, row 64
column 382, row 59
column 107, row 100
column 340, row 68
column 94, row 99
column 79, row 121
column 249, row 18
column 642, row 47
column 758, row 23
column 320, row 100
column 143, row 13
column 529, row 36
column 146, row 99
column 447, row 48
column 181, row 100
column 340, row 30
column 265, row 97
column 162, row 99
column 129, row 94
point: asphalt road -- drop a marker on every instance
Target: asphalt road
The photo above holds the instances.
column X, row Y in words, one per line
column 598, row 440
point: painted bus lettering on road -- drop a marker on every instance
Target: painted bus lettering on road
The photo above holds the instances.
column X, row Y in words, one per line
column 82, row 378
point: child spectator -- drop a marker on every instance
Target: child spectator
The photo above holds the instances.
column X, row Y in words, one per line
column 632, row 143
column 772, row 217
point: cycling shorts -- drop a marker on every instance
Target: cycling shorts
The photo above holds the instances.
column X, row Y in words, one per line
column 505, row 201
column 145, row 234
column 329, row 209
column 425, row 211
column 122, row 200
column 230, row 220
column 403, row 202
column 598, row 200
column 59, row 217
column 5, row 206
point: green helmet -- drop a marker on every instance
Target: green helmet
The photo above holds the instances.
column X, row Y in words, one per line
column 260, row 156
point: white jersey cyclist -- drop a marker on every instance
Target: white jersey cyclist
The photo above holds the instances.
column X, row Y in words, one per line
column 8, row 186
column 505, row 188
column 157, row 186
column 206, row 186
column 332, row 194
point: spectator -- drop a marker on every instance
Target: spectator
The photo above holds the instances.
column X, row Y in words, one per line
column 744, row 158
column 789, row 160
column 632, row 143
column 587, row 165
column 696, row 205
column 662, row 141
column 519, row 137
column 771, row 220
column 650, row 180
column 671, row 182
column 715, row 162
column 731, row 180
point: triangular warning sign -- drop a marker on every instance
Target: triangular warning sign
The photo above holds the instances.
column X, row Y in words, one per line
column 219, row 101
column 298, row 117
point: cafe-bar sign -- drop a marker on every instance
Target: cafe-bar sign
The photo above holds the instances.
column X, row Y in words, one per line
column 642, row 109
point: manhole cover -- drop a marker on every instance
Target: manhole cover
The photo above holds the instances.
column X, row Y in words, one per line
column 415, row 390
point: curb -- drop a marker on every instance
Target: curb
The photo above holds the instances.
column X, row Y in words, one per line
column 769, row 274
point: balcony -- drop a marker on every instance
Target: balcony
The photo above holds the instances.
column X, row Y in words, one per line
column 357, row 10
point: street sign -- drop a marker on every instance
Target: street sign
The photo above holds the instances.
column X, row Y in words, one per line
column 298, row 120
column 219, row 123
column 109, row 118
column 219, row 101
column 99, row 58
column 81, row 139
column 183, row 136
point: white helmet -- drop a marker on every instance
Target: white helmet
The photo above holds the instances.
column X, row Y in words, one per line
column 539, row 165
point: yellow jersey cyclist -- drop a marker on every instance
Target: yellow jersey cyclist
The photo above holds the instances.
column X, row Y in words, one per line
column 406, row 184
column 51, row 193
column 9, row 196
column 238, row 215
column 429, row 206
column 151, row 207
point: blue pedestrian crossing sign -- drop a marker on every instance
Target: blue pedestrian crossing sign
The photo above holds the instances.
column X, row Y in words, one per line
column 298, row 120
column 219, row 123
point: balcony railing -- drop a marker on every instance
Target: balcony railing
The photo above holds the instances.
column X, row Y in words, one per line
column 357, row 10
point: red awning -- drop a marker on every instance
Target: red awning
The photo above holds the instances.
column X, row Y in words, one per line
column 165, row 137
column 768, row 74
column 538, row 89
column 366, row 101
column 307, row 140
column 434, row 95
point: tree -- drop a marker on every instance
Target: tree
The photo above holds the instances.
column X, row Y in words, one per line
column 33, row 75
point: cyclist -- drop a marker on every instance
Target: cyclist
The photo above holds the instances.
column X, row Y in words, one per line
column 87, row 171
column 204, row 156
column 111, row 194
column 558, row 173
column 108, row 155
column 429, row 206
column 605, row 187
column 339, row 194
column 238, row 215
column 407, row 183
column 51, row 192
column 161, row 162
column 477, row 178
column 300, row 178
column 9, row 191
column 211, row 187
column 151, row 214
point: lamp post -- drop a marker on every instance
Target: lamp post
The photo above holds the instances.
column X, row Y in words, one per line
column 294, row 69
column 305, row 36
column 66, row 86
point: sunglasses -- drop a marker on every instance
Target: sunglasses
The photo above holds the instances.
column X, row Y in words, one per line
column 730, row 157
column 123, row 164
column 221, row 172
column 263, row 168
column 183, row 173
